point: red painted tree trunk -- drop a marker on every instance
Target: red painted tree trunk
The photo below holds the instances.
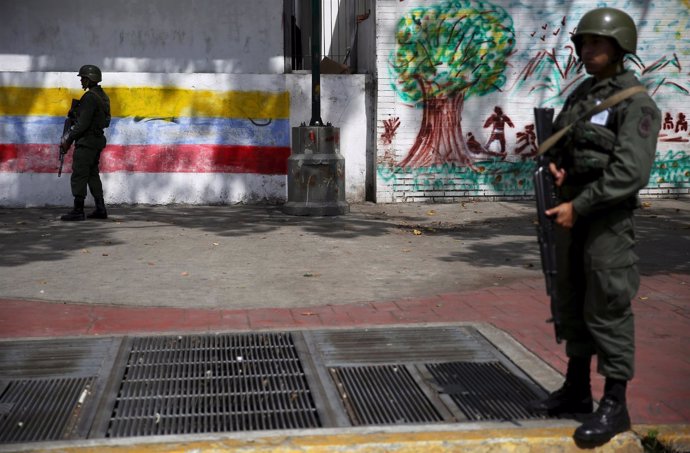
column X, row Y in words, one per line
column 440, row 139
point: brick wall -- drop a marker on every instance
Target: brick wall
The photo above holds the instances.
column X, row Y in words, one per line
column 426, row 156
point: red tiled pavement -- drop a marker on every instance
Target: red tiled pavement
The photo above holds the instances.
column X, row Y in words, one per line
column 659, row 394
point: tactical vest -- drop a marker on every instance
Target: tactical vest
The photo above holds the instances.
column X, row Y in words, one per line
column 102, row 117
column 587, row 148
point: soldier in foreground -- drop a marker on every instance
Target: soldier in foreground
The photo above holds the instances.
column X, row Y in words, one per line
column 598, row 167
column 92, row 116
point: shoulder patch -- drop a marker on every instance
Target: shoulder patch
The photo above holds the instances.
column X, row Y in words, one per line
column 644, row 127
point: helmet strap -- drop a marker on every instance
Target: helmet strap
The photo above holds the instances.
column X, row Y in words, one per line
column 620, row 59
column 89, row 84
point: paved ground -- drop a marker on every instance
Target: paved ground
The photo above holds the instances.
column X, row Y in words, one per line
column 184, row 269
column 255, row 256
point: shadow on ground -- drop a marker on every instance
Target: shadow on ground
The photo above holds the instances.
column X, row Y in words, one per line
column 499, row 236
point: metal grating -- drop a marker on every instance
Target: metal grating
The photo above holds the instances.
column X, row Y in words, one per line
column 400, row 345
column 484, row 391
column 35, row 410
column 219, row 383
column 57, row 357
column 388, row 394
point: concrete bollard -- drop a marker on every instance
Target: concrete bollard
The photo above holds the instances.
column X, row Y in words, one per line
column 316, row 173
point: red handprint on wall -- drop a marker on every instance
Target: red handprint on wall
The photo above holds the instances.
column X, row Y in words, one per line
column 390, row 126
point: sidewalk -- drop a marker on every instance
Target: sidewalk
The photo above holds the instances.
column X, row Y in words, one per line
column 659, row 394
column 206, row 269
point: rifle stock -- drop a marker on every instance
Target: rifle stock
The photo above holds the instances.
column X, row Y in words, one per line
column 544, row 191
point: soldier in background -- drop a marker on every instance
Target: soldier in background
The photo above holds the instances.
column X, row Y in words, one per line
column 598, row 167
column 93, row 115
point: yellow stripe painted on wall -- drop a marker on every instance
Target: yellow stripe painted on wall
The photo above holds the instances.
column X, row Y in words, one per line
column 151, row 102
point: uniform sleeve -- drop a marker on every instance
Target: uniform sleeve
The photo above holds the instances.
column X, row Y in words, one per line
column 85, row 113
column 631, row 162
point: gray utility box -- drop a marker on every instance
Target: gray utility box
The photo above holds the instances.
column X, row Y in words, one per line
column 316, row 173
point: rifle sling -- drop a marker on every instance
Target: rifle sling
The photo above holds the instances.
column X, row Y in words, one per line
column 608, row 102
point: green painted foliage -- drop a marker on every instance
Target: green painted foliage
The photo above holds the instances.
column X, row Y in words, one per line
column 459, row 46
column 671, row 171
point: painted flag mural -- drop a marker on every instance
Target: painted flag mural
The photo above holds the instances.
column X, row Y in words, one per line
column 153, row 130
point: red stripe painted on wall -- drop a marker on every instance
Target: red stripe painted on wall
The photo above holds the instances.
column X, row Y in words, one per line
column 264, row 160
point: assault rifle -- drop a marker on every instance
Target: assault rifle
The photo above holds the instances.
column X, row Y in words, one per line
column 69, row 122
column 546, row 199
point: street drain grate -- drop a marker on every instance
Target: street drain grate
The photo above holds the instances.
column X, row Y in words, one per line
column 33, row 410
column 375, row 395
column 421, row 375
column 239, row 382
column 215, row 383
column 484, row 391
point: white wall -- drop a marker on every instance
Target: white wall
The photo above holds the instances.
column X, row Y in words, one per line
column 343, row 103
column 176, row 36
column 210, row 45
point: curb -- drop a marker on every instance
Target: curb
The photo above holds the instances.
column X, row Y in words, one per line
column 675, row 438
column 436, row 439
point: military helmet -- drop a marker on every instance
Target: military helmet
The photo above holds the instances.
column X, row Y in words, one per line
column 610, row 22
column 91, row 72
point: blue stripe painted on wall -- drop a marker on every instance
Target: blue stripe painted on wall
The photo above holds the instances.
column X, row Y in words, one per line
column 152, row 131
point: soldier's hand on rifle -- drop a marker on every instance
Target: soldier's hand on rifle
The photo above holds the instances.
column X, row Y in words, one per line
column 564, row 214
column 65, row 143
column 558, row 174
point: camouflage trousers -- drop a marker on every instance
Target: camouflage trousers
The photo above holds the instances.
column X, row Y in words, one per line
column 85, row 172
column 597, row 280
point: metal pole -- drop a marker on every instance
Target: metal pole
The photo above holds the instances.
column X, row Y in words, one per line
column 316, row 64
column 316, row 169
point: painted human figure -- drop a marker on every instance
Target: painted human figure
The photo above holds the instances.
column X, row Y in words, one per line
column 681, row 124
column 668, row 121
column 498, row 120
column 473, row 145
column 527, row 141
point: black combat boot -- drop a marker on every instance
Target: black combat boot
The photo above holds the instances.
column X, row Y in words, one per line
column 610, row 418
column 574, row 397
column 77, row 212
column 99, row 212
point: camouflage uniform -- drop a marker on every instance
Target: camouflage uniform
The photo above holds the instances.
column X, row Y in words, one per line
column 600, row 163
column 608, row 159
column 93, row 115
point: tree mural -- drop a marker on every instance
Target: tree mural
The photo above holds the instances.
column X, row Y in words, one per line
column 444, row 54
column 433, row 39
